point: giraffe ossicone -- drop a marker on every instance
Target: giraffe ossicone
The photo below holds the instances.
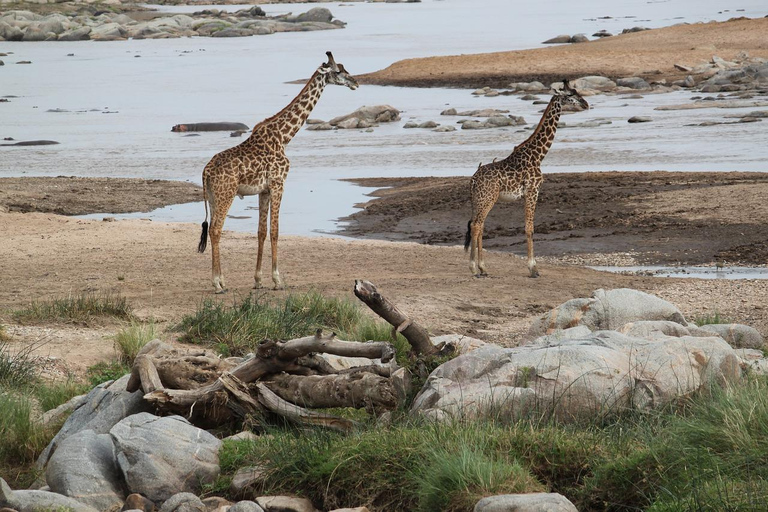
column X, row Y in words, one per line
column 258, row 166
column 517, row 176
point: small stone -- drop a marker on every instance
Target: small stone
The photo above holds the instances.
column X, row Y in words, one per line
column 639, row 119
column 136, row 501
column 529, row 97
column 448, row 112
column 411, row 124
column 445, row 128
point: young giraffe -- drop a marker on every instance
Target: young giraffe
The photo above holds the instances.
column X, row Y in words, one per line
column 259, row 166
column 516, row 176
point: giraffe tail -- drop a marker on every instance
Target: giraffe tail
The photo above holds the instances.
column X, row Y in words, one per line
column 468, row 236
column 204, row 236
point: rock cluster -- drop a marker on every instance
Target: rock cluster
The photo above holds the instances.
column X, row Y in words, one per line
column 619, row 349
column 107, row 26
column 365, row 117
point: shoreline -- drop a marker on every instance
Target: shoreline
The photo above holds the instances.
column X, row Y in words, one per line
column 656, row 55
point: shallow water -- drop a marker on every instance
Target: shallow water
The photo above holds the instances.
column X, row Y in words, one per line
column 147, row 86
column 697, row 272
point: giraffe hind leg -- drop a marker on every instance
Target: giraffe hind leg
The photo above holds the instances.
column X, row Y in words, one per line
column 262, row 236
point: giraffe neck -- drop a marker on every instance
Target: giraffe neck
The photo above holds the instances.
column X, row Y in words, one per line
column 288, row 121
column 544, row 134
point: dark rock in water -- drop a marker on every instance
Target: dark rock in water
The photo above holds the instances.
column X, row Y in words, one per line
column 24, row 62
column 192, row 135
column 639, row 119
column 564, row 38
column 32, row 143
column 209, row 127
column 237, row 133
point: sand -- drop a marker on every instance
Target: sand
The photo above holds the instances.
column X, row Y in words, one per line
column 650, row 54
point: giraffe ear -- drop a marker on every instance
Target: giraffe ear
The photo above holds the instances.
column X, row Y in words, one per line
column 566, row 85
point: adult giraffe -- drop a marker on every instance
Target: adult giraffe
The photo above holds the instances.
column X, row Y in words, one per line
column 258, row 165
column 516, row 176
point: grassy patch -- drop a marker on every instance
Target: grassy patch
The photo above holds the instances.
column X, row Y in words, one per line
column 131, row 339
column 236, row 329
column 106, row 371
column 50, row 396
column 80, row 309
column 18, row 369
column 710, row 318
column 711, row 454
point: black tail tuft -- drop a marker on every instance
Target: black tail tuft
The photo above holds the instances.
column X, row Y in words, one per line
column 468, row 236
column 203, row 238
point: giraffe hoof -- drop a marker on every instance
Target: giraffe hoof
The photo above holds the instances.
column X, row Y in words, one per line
column 221, row 292
column 534, row 274
column 480, row 275
column 257, row 286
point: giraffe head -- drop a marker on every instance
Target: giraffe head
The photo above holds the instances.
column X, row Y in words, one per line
column 336, row 74
column 569, row 96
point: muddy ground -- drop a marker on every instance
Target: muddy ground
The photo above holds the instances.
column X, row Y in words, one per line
column 606, row 218
column 70, row 195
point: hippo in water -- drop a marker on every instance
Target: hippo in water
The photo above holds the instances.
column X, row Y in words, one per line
column 209, row 127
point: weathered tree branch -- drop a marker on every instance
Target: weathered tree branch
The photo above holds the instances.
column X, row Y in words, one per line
column 360, row 389
column 416, row 335
column 295, row 413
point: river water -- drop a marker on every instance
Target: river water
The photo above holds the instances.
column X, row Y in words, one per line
column 120, row 100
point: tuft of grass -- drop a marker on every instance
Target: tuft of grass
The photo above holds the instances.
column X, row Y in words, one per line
column 22, row 438
column 52, row 395
column 131, row 339
column 103, row 372
column 237, row 329
column 710, row 318
column 3, row 335
column 80, row 308
column 18, row 369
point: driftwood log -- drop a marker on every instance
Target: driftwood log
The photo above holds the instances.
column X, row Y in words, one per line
column 286, row 378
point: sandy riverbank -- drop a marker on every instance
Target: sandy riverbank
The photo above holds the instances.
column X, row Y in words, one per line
column 650, row 54
column 155, row 266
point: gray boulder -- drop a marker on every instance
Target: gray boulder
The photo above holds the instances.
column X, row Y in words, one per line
column 78, row 34
column 10, row 32
column 610, row 309
column 36, row 501
column 315, row 14
column 652, row 328
column 160, row 457
column 372, row 114
column 737, row 335
column 84, row 468
column 246, row 506
column 103, row 408
column 107, row 31
column 183, row 502
column 562, row 38
column 596, row 83
column 639, row 119
column 603, row 372
column 633, row 82
column 579, row 38
column 533, row 502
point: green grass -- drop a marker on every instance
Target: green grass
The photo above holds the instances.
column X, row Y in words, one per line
column 106, row 371
column 17, row 368
column 237, row 328
column 707, row 454
column 52, row 395
column 710, row 318
column 131, row 339
column 81, row 309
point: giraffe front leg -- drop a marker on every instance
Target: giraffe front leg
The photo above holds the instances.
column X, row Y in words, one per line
column 530, row 209
column 274, row 217
column 219, row 211
column 262, row 236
